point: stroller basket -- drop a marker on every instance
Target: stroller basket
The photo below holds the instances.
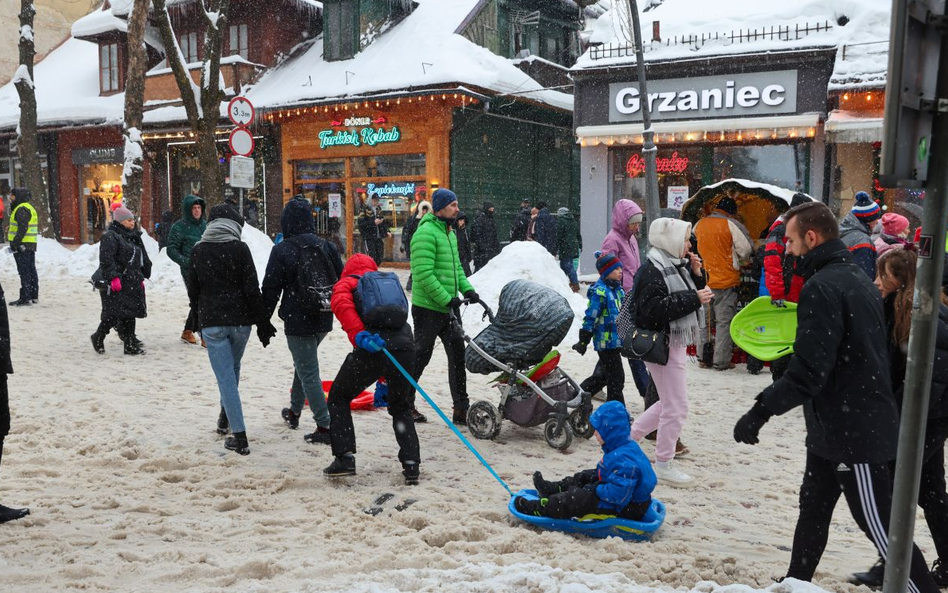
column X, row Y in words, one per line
column 531, row 320
column 526, row 408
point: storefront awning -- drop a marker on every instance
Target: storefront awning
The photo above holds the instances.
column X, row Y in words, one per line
column 803, row 125
column 848, row 127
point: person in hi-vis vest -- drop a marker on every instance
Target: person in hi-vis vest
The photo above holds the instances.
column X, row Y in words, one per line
column 22, row 234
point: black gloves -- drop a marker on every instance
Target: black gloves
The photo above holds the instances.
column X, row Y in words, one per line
column 472, row 296
column 584, row 337
column 454, row 303
column 265, row 331
column 748, row 427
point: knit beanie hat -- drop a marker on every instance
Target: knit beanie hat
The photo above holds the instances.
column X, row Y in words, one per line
column 606, row 263
column 894, row 224
column 562, row 211
column 225, row 211
column 636, row 218
column 866, row 209
column 122, row 214
column 727, row 204
column 441, row 198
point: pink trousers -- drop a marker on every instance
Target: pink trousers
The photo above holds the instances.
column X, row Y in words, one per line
column 668, row 415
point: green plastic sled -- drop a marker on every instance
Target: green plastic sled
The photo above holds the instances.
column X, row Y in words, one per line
column 764, row 331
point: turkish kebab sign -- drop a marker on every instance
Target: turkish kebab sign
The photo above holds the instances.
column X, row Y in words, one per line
column 360, row 130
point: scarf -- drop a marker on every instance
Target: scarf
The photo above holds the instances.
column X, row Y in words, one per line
column 221, row 230
column 684, row 330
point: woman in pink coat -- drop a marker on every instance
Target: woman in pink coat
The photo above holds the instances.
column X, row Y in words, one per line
column 621, row 240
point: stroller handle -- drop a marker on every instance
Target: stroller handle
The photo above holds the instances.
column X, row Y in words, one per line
column 467, row 302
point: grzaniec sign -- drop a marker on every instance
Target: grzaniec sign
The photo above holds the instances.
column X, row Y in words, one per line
column 672, row 164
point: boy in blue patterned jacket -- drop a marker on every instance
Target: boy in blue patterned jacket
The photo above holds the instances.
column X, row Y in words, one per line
column 621, row 484
column 600, row 324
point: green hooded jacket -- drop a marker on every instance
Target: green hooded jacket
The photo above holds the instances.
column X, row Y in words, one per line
column 435, row 266
column 186, row 232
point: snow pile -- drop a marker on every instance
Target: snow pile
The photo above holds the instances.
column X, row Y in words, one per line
column 521, row 260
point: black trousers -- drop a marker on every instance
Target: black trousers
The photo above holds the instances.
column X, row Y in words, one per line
column 191, row 323
column 124, row 327
column 358, row 371
column 375, row 248
column 868, row 491
column 931, row 495
column 430, row 325
column 609, row 374
column 779, row 367
column 577, row 497
column 26, row 268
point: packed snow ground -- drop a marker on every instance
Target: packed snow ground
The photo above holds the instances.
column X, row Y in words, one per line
column 131, row 489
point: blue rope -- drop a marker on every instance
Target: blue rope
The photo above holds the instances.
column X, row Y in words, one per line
column 450, row 424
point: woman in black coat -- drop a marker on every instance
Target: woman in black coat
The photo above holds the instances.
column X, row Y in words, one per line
column 124, row 265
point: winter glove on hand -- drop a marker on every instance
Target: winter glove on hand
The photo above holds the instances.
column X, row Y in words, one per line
column 581, row 345
column 454, row 303
column 779, row 303
column 116, row 284
column 472, row 296
column 369, row 342
column 748, row 427
column 265, row 331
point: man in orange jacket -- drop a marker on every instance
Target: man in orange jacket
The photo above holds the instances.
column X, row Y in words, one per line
column 724, row 244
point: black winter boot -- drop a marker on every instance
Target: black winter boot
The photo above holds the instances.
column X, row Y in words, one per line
column 130, row 348
column 544, row 487
column 237, row 442
column 222, row 424
column 412, row 472
column 9, row 514
column 529, row 506
column 292, row 420
column 320, row 436
column 872, row 578
column 940, row 573
column 342, row 465
column 98, row 342
column 459, row 417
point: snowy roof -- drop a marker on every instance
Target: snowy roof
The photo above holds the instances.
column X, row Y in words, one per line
column 67, row 90
column 421, row 51
column 98, row 22
column 856, row 65
column 123, row 7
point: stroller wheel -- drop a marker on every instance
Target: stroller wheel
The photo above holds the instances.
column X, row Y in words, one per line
column 579, row 422
column 560, row 441
column 483, row 420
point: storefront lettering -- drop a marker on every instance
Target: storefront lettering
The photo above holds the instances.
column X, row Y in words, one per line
column 365, row 136
column 628, row 100
column 672, row 164
column 389, row 189
column 354, row 122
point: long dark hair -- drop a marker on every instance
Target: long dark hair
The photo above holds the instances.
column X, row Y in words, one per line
column 901, row 265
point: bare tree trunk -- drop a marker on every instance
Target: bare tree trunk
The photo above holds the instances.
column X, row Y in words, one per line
column 133, row 172
column 27, row 143
column 202, row 103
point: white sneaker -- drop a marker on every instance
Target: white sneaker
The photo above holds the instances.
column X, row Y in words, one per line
column 666, row 472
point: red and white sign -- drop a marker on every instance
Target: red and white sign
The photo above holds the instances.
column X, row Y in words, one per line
column 672, row 164
column 241, row 141
column 240, row 111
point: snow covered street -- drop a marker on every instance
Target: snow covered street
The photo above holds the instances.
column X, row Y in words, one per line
column 131, row 490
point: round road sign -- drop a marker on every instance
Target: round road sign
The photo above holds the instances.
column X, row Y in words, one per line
column 240, row 111
column 241, row 142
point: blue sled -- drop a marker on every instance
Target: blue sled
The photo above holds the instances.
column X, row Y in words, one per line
column 598, row 526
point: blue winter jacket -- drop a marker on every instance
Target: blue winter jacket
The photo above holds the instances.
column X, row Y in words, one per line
column 625, row 474
column 602, row 315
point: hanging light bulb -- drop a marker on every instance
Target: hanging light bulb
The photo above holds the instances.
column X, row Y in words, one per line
column 868, row 97
column 846, row 97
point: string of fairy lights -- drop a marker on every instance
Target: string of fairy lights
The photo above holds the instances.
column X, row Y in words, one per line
column 703, row 137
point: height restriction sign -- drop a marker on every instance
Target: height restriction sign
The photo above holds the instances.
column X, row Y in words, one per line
column 240, row 111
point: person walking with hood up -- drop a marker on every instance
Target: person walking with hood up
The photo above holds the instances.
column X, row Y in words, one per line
column 667, row 297
column 544, row 228
column 184, row 235
column 303, row 268
column 22, row 234
column 484, row 243
column 570, row 242
column 223, row 288
column 855, row 231
column 124, row 264
column 411, row 225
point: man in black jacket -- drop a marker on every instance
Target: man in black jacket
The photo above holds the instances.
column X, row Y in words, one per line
column 545, row 229
column 6, row 368
column 484, row 243
column 305, row 325
column 519, row 230
column 840, row 375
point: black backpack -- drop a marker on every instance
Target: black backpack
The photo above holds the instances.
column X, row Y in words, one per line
column 315, row 277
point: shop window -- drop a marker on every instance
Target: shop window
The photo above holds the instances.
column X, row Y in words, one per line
column 329, row 209
column 189, row 47
column 783, row 165
column 109, row 68
column 394, row 165
column 312, row 170
column 679, row 174
column 239, row 45
column 101, row 185
column 340, row 29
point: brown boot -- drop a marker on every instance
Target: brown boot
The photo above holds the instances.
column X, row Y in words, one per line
column 187, row 336
column 681, row 449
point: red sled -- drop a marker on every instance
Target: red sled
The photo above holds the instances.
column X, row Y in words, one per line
column 364, row 401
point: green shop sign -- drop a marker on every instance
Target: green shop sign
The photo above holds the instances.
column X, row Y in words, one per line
column 370, row 135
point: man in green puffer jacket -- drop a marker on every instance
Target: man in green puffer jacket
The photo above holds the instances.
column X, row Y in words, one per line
column 184, row 235
column 438, row 278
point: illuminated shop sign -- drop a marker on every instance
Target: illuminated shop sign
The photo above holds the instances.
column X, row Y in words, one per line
column 672, row 164
column 763, row 93
column 372, row 133
column 391, row 189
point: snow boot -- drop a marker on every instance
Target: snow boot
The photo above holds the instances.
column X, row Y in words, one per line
column 872, row 578
column 98, row 342
column 222, row 423
column 292, row 420
column 130, row 348
column 940, row 573
column 320, row 436
column 21, row 302
column 544, row 487
column 187, row 336
column 9, row 514
column 137, row 343
column 411, row 471
column 237, row 442
column 342, row 465
column 459, row 417
column 529, row 507
column 669, row 474
column 417, row 416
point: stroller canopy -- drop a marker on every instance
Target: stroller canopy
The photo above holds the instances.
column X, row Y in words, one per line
column 531, row 320
column 758, row 204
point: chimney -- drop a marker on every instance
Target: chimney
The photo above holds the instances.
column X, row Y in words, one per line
column 656, row 31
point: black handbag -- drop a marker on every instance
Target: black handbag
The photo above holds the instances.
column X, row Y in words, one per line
column 98, row 282
column 637, row 343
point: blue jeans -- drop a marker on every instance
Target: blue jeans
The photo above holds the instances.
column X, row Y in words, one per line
column 225, row 348
column 567, row 266
column 639, row 375
column 306, row 382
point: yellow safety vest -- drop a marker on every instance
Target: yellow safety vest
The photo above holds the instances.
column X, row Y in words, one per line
column 31, row 231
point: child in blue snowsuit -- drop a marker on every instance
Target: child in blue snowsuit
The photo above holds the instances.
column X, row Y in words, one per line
column 620, row 485
column 600, row 324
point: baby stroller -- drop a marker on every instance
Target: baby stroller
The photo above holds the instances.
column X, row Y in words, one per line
column 530, row 321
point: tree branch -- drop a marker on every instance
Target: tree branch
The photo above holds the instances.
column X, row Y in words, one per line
column 190, row 92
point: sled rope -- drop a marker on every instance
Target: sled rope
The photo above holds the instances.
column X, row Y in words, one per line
column 450, row 424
